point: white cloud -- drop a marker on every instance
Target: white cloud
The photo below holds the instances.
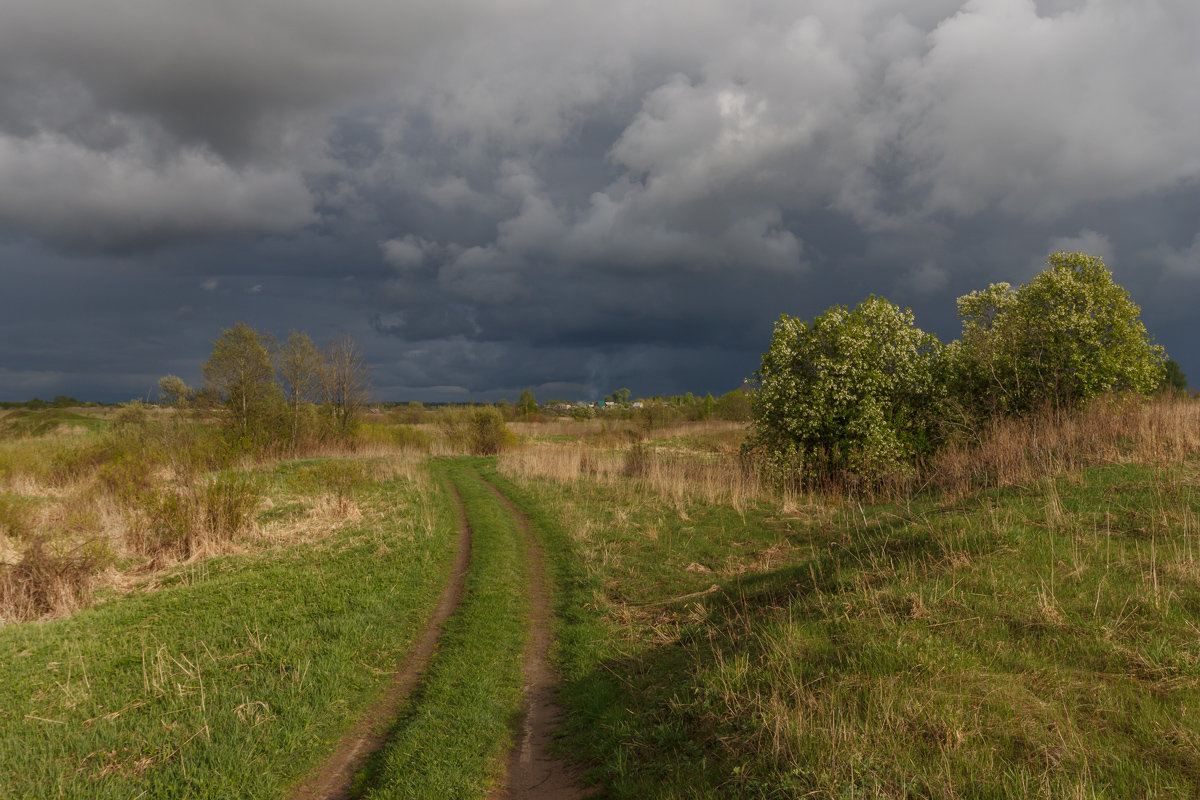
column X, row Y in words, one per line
column 60, row 190
column 733, row 116
column 1182, row 262
column 1034, row 114
column 928, row 278
column 405, row 254
column 1088, row 241
column 676, row 132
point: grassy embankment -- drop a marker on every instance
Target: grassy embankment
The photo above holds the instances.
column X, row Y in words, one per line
column 222, row 661
column 206, row 627
column 1034, row 639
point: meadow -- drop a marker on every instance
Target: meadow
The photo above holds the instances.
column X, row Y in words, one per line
column 1018, row 618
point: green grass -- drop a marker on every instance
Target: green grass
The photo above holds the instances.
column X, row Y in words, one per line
column 232, row 679
column 452, row 739
column 39, row 422
column 1040, row 642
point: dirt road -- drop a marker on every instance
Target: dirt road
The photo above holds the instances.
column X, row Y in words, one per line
column 531, row 773
column 335, row 778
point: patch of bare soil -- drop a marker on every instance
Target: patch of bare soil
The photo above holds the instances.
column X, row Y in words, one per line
column 335, row 778
column 533, row 774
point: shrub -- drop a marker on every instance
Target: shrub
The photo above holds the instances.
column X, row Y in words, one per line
column 45, row 581
column 852, row 391
column 170, row 526
column 406, row 437
column 340, row 477
column 1069, row 335
column 229, row 504
column 125, row 476
column 71, row 463
column 15, row 516
column 637, row 461
column 488, row 435
column 184, row 522
column 733, row 406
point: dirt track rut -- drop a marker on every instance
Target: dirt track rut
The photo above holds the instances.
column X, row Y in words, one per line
column 335, row 778
column 533, row 774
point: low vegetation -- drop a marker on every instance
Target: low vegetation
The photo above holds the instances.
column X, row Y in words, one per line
column 232, row 675
column 895, row 568
column 1037, row 640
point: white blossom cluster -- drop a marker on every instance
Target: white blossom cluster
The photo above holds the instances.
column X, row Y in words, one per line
column 865, row 392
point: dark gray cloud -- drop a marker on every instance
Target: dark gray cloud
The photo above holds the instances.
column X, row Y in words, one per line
column 569, row 196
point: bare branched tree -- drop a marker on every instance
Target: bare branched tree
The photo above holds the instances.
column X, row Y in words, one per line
column 347, row 380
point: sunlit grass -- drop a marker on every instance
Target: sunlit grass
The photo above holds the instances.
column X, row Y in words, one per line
column 1030, row 642
column 235, row 674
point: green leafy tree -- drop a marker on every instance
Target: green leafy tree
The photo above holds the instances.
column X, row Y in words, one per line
column 733, row 406
column 527, row 405
column 852, row 391
column 174, row 391
column 1173, row 377
column 240, row 374
column 1070, row 334
column 302, row 368
column 487, row 433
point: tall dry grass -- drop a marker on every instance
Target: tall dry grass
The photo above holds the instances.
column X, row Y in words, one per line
column 700, row 460
column 154, row 494
column 677, row 475
column 1119, row 429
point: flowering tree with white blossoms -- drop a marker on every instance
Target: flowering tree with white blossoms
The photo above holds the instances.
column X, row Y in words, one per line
column 866, row 392
column 1065, row 337
column 850, row 392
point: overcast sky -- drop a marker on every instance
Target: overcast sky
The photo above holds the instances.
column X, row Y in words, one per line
column 570, row 196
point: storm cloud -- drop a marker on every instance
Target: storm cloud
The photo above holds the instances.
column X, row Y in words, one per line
column 570, row 196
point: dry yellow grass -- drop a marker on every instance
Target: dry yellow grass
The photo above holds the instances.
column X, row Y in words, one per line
column 701, row 461
column 1163, row 429
column 675, row 474
column 82, row 516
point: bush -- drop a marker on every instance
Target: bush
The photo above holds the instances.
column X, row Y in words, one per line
column 45, row 581
column 862, row 395
column 851, row 392
column 488, row 435
column 1069, row 335
column 733, row 406
column 637, row 461
column 186, row 521
column 15, row 516
column 406, row 437
column 125, row 476
column 229, row 504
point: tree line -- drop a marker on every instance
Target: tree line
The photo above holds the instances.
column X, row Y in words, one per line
column 269, row 391
column 866, row 392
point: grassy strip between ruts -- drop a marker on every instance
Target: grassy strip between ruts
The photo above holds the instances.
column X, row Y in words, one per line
column 231, row 679
column 452, row 741
column 1032, row 642
column 583, row 640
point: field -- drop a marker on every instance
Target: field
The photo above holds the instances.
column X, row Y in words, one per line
column 1023, row 620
